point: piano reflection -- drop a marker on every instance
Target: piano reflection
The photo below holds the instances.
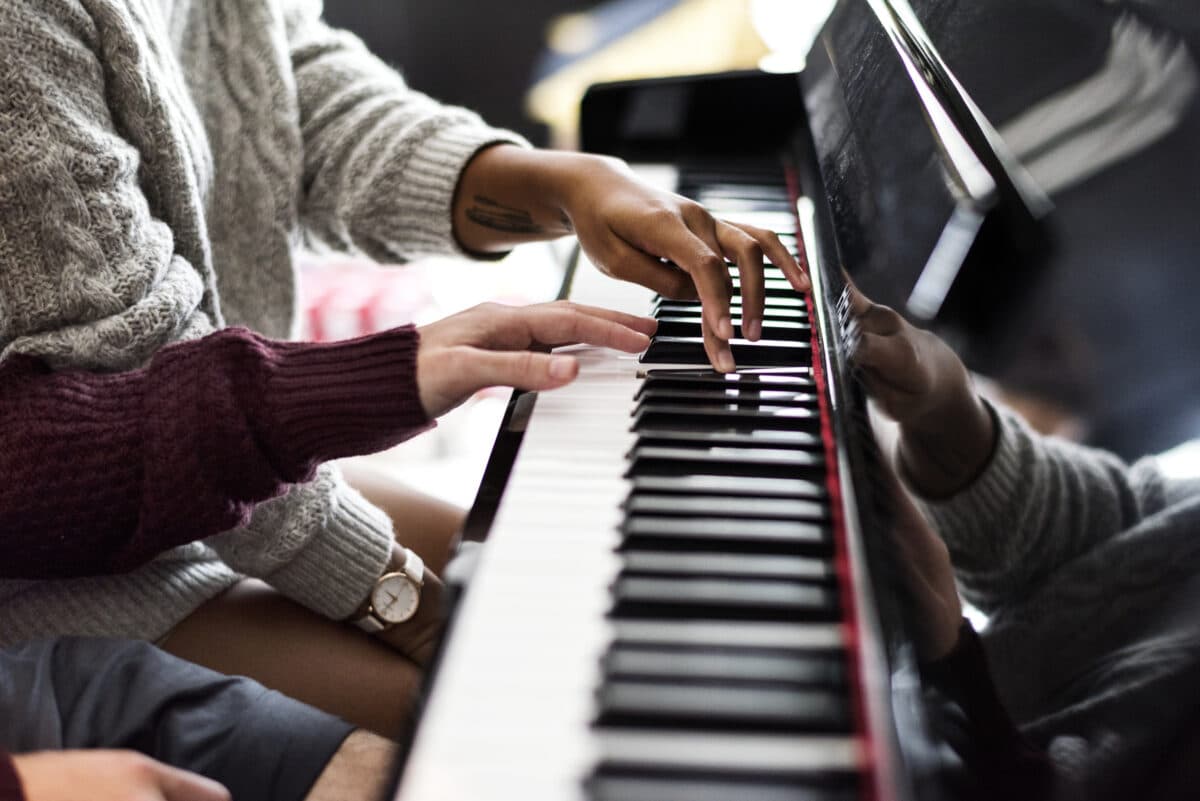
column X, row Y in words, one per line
column 683, row 590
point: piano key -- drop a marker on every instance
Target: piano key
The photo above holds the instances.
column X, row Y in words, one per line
column 731, row 485
column 775, row 304
column 690, row 350
column 753, row 508
column 825, row 668
column 721, row 706
column 732, row 752
column 702, row 533
column 723, row 599
column 710, row 193
column 784, row 418
column 682, row 459
column 617, row 785
column 703, row 379
column 725, row 398
column 708, row 433
column 724, row 634
column 771, row 329
column 771, row 286
column 725, row 564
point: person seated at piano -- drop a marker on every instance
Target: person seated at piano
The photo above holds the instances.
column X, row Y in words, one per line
column 1087, row 568
column 159, row 162
column 103, row 472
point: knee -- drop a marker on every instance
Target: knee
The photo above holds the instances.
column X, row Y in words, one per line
column 362, row 768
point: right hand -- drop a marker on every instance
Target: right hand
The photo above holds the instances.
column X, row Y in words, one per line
column 489, row 345
column 946, row 431
column 109, row 776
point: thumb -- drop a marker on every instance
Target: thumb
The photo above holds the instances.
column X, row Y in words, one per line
column 180, row 785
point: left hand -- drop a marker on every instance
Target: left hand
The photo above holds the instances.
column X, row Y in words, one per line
column 628, row 228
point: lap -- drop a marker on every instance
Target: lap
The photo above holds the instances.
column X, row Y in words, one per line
column 101, row 693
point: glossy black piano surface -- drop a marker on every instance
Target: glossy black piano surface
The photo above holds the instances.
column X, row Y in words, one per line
column 750, row 516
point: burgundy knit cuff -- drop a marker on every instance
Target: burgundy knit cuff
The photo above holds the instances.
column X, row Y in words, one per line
column 346, row 398
column 10, row 782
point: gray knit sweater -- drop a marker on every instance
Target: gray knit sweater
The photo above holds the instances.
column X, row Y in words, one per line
column 1090, row 570
column 160, row 161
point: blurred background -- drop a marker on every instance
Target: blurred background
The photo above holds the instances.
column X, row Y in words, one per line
column 525, row 67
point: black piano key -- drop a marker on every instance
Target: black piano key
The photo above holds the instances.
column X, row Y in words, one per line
column 746, row 536
column 755, row 487
column 725, row 398
column 659, row 598
column 742, row 507
column 733, row 437
column 784, row 310
column 794, row 302
column 715, row 416
column 722, row 707
column 684, row 459
column 715, row 563
column 620, row 785
column 709, row 379
column 818, row 668
column 771, row 286
column 688, row 326
column 764, row 353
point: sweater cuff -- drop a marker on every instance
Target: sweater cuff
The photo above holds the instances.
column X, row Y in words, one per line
column 345, row 398
column 972, row 513
column 339, row 565
column 10, row 782
column 436, row 166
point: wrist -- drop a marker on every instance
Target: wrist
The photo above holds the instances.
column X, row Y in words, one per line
column 941, row 457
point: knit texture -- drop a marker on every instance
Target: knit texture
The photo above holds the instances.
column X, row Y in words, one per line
column 161, row 160
column 185, row 448
column 1090, row 571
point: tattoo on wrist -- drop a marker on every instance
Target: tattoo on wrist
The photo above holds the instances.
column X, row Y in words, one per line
column 492, row 214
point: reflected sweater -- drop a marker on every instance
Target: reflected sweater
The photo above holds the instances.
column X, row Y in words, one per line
column 160, row 162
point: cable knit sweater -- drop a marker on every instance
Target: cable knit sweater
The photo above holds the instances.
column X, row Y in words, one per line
column 1090, row 570
column 160, row 161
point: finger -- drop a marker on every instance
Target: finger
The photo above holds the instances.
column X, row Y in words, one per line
column 631, row 264
column 739, row 247
column 780, row 256
column 859, row 303
column 180, row 785
column 646, row 325
column 522, row 369
column 893, row 358
column 570, row 324
column 892, row 401
column 714, row 282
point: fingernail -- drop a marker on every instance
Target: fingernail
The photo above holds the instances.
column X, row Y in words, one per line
column 725, row 328
column 725, row 362
column 561, row 367
column 752, row 330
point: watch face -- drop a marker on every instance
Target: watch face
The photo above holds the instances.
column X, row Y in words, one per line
column 395, row 599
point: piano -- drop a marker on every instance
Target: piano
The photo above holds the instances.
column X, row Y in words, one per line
column 682, row 589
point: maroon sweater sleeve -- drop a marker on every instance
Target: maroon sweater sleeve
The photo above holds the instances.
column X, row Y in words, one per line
column 10, row 783
column 101, row 472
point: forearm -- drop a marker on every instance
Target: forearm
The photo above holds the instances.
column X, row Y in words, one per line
column 101, row 472
column 945, row 453
column 510, row 195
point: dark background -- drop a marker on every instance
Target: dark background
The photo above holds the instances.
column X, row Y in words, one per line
column 475, row 53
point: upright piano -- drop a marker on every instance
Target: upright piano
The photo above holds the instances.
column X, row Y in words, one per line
column 682, row 589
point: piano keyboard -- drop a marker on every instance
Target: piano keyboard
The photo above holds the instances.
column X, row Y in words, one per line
column 656, row 615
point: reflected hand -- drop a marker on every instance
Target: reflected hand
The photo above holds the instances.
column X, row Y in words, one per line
column 946, row 431
column 489, row 345
column 627, row 228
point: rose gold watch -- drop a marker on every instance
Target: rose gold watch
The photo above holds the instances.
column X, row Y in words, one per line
column 395, row 596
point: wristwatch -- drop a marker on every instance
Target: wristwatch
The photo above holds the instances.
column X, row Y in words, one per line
column 395, row 596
